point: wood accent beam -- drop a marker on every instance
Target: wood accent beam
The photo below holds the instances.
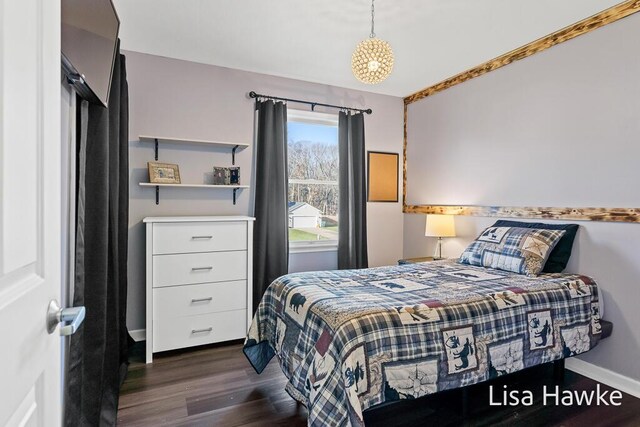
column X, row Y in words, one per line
column 404, row 159
column 573, row 214
column 587, row 25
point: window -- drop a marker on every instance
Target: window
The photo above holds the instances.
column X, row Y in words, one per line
column 313, row 178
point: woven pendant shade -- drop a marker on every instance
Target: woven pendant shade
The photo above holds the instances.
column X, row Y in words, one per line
column 372, row 61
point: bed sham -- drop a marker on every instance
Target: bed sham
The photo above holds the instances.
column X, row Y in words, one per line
column 516, row 249
column 559, row 256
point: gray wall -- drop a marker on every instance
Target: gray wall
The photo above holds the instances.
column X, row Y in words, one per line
column 560, row 128
column 171, row 97
column 313, row 261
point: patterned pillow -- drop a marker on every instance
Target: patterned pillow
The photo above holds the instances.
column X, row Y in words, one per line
column 521, row 250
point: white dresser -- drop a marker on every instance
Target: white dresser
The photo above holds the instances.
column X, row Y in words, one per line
column 199, row 273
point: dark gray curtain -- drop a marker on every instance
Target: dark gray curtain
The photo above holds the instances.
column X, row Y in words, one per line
column 97, row 360
column 270, row 238
column 352, row 210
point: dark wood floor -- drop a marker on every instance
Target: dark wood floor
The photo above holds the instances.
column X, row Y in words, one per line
column 216, row 386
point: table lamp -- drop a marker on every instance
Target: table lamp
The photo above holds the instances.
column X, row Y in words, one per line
column 440, row 226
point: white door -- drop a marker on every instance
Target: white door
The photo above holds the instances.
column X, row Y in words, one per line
column 30, row 211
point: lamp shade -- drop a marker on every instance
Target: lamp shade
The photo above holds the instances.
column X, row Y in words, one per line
column 440, row 226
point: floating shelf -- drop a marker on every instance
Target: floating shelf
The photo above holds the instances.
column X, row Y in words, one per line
column 191, row 141
column 235, row 188
column 235, row 146
column 153, row 184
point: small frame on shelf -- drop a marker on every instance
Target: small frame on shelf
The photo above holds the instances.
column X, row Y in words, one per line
column 220, row 175
column 163, row 173
column 234, row 175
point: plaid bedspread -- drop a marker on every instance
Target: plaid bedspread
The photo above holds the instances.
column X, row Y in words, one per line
column 348, row 340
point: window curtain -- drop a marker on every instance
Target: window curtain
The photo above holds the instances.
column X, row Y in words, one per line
column 270, row 238
column 352, row 210
column 97, row 358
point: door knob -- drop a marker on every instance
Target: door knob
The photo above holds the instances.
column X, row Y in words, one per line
column 56, row 314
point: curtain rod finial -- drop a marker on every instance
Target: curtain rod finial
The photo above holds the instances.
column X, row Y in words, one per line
column 252, row 94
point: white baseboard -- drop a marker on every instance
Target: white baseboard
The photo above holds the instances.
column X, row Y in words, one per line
column 604, row 376
column 138, row 334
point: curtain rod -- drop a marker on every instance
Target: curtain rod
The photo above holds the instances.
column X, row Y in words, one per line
column 252, row 94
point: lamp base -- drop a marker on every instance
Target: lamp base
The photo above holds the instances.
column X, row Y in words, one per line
column 438, row 253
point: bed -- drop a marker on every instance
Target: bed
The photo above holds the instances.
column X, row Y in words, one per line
column 352, row 339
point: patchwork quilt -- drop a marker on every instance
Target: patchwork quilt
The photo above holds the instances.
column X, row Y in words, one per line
column 348, row 340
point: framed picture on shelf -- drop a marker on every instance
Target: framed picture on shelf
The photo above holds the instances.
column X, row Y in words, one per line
column 163, row 173
column 221, row 176
column 234, row 175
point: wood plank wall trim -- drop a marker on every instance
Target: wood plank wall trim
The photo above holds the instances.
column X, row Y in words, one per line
column 404, row 160
column 573, row 214
column 585, row 26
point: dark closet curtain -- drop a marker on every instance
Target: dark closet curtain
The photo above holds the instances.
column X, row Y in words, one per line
column 270, row 238
column 98, row 351
column 352, row 210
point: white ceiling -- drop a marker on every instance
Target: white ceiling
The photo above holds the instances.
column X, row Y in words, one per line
column 313, row 40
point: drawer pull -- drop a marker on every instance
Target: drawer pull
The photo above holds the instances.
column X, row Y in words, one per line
column 201, row 268
column 194, row 300
column 201, row 237
column 199, row 331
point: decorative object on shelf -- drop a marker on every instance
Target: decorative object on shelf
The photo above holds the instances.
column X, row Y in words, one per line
column 372, row 61
column 226, row 176
column 440, row 226
column 220, row 176
column 163, row 173
column 234, row 175
column 382, row 178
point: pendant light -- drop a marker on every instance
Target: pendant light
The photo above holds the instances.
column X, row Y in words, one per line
column 372, row 61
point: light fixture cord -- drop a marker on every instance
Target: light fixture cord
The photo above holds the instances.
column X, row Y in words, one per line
column 373, row 13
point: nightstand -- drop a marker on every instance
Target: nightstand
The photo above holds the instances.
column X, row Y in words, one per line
column 415, row 260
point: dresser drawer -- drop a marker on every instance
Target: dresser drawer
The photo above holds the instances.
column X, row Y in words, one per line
column 170, row 333
column 189, row 300
column 189, row 237
column 188, row 269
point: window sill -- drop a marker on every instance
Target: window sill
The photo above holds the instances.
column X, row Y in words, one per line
column 311, row 246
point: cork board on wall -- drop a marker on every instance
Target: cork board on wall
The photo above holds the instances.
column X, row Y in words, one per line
column 382, row 177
